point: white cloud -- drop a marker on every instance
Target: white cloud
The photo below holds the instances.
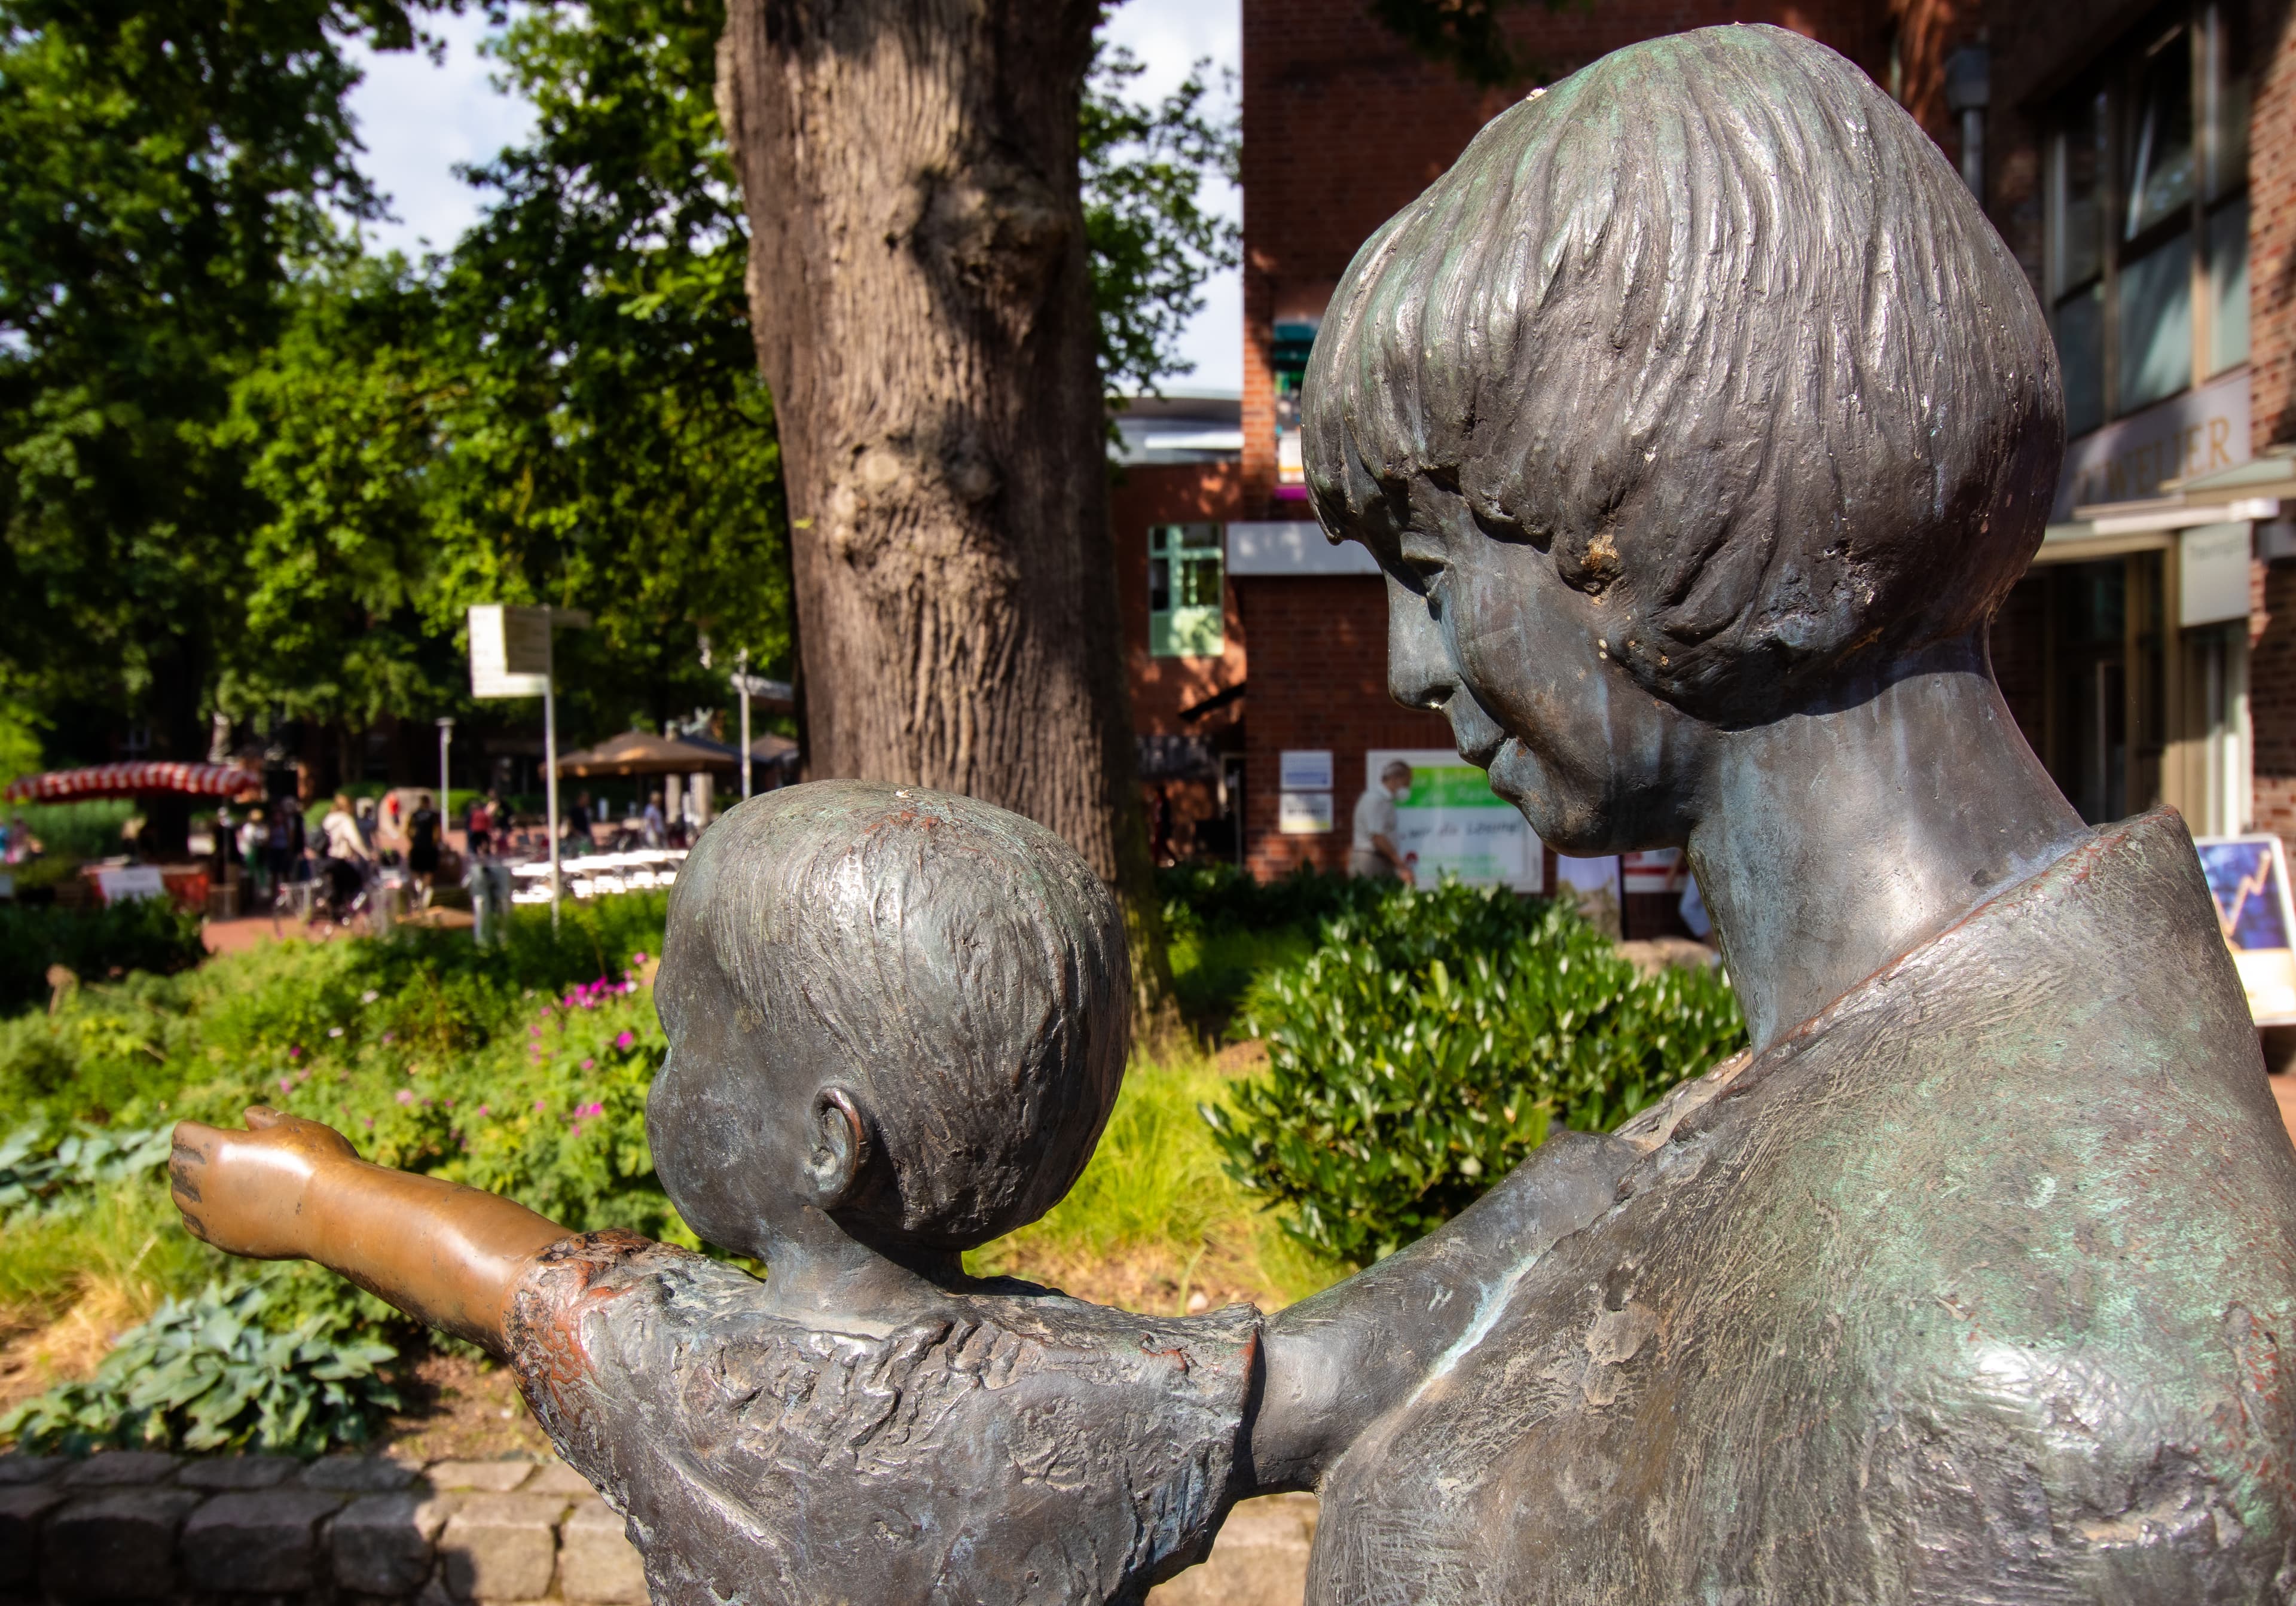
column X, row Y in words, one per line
column 418, row 121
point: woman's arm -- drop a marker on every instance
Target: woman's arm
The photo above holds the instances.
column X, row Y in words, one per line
column 289, row 1189
column 1336, row 1363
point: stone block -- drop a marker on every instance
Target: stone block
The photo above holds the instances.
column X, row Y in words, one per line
column 17, row 1467
column 225, row 1473
column 21, row 1507
column 117, row 1546
column 1259, row 1558
column 597, row 1564
column 556, row 1478
column 359, row 1474
column 484, row 1477
column 382, row 1543
column 502, row 1547
column 262, row 1542
column 116, row 1468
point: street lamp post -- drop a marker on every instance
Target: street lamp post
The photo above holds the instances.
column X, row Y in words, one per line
column 445, row 738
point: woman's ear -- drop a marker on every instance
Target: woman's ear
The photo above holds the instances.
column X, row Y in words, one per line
column 840, row 1148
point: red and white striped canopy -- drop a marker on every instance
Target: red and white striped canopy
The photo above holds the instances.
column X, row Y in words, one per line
column 133, row 780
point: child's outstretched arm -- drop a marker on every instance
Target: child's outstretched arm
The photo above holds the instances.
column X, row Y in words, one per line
column 290, row 1189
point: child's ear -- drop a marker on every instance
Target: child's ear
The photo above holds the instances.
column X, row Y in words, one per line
column 840, row 1147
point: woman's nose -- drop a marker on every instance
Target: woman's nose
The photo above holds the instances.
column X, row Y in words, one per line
column 1418, row 664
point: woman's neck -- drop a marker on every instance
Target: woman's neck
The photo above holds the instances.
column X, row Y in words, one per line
column 1830, row 842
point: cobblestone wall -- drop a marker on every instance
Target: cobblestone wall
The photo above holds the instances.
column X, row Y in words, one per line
column 134, row 1525
column 269, row 1531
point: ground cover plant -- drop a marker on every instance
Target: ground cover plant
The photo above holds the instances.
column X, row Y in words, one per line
column 1420, row 1043
column 1432, row 1041
column 520, row 1070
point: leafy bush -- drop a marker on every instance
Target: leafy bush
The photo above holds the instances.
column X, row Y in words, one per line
column 1429, row 1044
column 215, row 1372
column 1211, row 898
column 88, row 829
column 147, row 934
column 37, row 1177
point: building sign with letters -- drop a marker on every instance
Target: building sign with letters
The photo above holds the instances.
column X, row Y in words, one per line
column 2198, row 432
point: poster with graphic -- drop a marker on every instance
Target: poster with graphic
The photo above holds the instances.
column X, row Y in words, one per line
column 2248, row 877
column 1456, row 824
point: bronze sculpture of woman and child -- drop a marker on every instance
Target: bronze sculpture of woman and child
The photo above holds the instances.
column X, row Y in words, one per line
column 1700, row 423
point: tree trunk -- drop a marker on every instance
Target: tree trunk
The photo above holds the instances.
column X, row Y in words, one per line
column 921, row 300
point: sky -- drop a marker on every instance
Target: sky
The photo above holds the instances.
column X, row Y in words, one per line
column 417, row 121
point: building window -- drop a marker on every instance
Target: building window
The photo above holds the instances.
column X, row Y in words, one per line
column 2147, row 271
column 1185, row 617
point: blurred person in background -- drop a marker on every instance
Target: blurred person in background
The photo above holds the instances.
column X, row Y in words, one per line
column 1373, row 853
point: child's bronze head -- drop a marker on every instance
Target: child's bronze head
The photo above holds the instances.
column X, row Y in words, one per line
column 906, row 1009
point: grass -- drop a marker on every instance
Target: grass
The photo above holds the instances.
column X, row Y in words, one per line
column 1155, row 1220
column 340, row 1030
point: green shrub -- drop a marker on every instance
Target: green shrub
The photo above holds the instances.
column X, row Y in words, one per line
column 219, row 1372
column 147, row 934
column 1430, row 1043
column 1210, row 897
column 89, row 829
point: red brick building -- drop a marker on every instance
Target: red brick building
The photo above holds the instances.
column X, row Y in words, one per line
column 2140, row 160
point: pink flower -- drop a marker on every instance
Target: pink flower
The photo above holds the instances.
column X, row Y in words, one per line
column 407, row 1095
column 391, row 1037
column 285, row 1085
column 624, row 1041
column 589, row 1065
column 540, row 1104
column 638, row 958
column 484, row 1111
column 292, row 1052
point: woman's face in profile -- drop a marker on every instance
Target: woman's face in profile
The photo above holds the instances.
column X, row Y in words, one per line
column 1486, row 632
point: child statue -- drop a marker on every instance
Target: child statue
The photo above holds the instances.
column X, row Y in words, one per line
column 897, row 1022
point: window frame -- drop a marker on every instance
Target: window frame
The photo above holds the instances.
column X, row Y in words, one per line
column 2113, row 95
column 1186, row 629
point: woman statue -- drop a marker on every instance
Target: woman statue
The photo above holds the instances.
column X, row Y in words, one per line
column 1700, row 423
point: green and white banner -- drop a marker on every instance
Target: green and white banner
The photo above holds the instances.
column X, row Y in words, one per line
column 1456, row 824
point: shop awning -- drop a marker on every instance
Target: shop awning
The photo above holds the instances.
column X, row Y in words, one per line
column 134, row 780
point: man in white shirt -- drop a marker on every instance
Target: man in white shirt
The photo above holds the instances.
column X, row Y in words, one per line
column 1373, row 853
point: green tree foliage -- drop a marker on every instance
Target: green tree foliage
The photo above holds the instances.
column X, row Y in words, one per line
column 161, row 167
column 1428, row 1045
column 245, row 466
column 339, row 424
column 1154, row 241
column 611, row 447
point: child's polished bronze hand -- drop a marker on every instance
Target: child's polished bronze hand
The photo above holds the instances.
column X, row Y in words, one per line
column 245, row 1192
column 288, row 1188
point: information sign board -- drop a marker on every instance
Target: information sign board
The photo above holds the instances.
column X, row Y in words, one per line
column 510, row 650
column 1456, row 824
column 2248, row 877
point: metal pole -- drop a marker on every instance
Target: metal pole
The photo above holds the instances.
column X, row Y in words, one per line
column 446, row 802
column 744, row 661
column 550, row 767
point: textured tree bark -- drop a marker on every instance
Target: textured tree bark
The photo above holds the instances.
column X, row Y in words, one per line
column 921, row 295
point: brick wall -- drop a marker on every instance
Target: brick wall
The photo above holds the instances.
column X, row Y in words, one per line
column 1343, row 125
column 1172, row 494
column 2272, row 226
column 1318, row 680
